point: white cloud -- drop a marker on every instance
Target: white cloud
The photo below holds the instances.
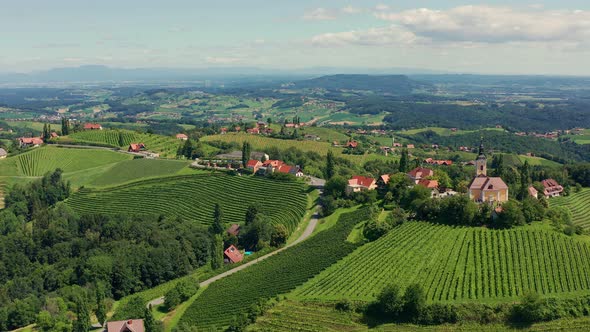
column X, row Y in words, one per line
column 351, row 10
column 372, row 37
column 222, row 60
column 319, row 14
column 381, row 7
column 487, row 24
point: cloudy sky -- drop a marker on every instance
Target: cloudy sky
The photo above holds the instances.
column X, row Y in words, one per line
column 497, row 36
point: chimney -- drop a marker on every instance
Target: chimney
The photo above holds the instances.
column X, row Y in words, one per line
column 129, row 322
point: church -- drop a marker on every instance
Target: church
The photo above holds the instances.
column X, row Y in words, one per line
column 484, row 188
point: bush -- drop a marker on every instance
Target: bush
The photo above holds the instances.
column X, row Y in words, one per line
column 531, row 309
column 438, row 314
column 180, row 293
column 390, row 301
column 344, row 305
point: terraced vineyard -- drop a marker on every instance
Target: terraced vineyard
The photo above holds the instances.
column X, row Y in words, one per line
column 194, row 196
column 277, row 274
column 42, row 160
column 166, row 146
column 138, row 168
column 578, row 204
column 459, row 264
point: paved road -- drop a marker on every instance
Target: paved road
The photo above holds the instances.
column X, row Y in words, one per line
column 306, row 233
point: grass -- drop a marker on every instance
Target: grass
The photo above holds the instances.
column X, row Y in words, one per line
column 193, row 197
column 135, row 169
column 456, row 264
column 578, row 204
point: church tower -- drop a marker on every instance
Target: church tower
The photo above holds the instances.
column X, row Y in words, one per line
column 481, row 162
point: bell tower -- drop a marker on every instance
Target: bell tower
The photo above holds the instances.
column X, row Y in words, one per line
column 481, row 162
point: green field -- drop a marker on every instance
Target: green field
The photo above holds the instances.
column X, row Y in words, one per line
column 39, row 161
column 135, row 169
column 194, row 196
column 291, row 315
column 278, row 274
column 164, row 145
column 578, row 204
column 458, row 265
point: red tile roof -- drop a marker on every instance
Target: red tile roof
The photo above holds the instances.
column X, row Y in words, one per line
column 352, row 144
column 420, row 172
column 487, row 183
column 361, row 181
column 131, row 325
column 428, row 183
column 551, row 187
column 253, row 131
column 233, row 254
column 92, row 126
column 31, row 140
column 253, row 164
column 272, row 162
column 385, row 178
column 181, row 136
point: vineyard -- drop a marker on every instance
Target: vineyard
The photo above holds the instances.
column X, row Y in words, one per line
column 42, row 160
column 218, row 305
column 166, row 146
column 135, row 169
column 578, row 204
column 193, row 197
column 459, row 264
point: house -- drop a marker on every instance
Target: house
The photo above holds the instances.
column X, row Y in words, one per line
column 410, row 146
column 484, row 188
column 430, row 184
column 3, row 153
column 234, row 230
column 253, row 165
column 182, row 137
column 254, row 131
column 232, row 255
column 223, row 131
column 533, row 192
column 261, row 124
column 382, row 182
column 420, row 173
column 310, row 137
column 92, row 126
column 397, row 145
column 136, row 147
column 351, row 144
column 438, row 162
column 360, row 183
column 131, row 325
column 552, row 188
column 54, row 134
column 293, row 170
column 25, row 142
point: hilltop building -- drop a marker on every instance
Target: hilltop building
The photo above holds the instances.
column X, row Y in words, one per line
column 484, row 188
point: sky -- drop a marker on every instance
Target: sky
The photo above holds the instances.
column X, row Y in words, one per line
column 492, row 37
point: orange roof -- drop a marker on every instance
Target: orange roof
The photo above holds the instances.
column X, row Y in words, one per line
column 385, row 178
column 428, row 183
column 421, row 172
column 131, row 325
column 352, row 144
column 284, row 169
column 488, row 183
column 92, row 126
column 253, row 131
column 361, row 181
column 233, row 254
column 31, row 140
column 253, row 163
column 272, row 162
column 181, row 136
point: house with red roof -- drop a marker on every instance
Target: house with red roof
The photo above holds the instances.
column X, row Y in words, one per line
column 253, row 131
column 25, row 142
column 484, row 188
column 253, row 165
column 183, row 137
column 54, row 134
column 438, row 162
column 430, row 184
column 360, row 183
column 92, row 126
column 410, row 146
column 551, row 188
column 352, row 144
column 420, row 173
column 533, row 192
column 130, row 325
column 136, row 147
column 232, row 255
column 223, row 131
column 293, row 170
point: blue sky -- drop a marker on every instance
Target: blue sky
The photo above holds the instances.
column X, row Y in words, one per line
column 499, row 37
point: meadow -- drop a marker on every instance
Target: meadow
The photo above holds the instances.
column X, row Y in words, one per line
column 193, row 197
column 578, row 204
column 276, row 275
column 459, row 265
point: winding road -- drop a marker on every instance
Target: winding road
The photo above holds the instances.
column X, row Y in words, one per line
column 306, row 233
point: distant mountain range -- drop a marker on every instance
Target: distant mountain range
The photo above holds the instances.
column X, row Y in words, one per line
column 394, row 84
column 98, row 74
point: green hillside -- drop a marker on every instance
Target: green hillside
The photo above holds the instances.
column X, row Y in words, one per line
column 166, row 146
column 193, row 197
column 459, row 264
column 39, row 161
column 578, row 204
column 135, row 169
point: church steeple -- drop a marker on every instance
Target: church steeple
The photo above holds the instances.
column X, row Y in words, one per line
column 481, row 161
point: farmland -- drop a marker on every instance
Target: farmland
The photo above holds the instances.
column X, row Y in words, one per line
column 135, row 169
column 194, row 196
column 166, row 146
column 459, row 264
column 276, row 275
column 578, row 204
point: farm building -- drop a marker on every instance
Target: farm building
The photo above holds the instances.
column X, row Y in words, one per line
column 420, row 173
column 293, row 170
column 253, row 131
column 136, row 147
column 3, row 153
column 54, row 134
column 254, row 165
column 551, row 188
column 352, row 144
column 410, row 146
column 183, row 137
column 130, row 325
column 438, row 162
column 360, row 183
column 92, row 126
column 533, row 192
column 232, row 255
column 484, row 188
column 30, row 141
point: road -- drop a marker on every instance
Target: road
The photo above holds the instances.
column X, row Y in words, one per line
column 306, row 233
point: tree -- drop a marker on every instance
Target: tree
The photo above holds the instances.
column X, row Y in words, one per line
column 217, row 252
column 279, row 235
column 65, row 126
column 330, row 165
column 246, row 151
column 82, row 322
column 121, row 141
column 336, row 187
column 269, row 121
column 101, row 310
column 251, row 213
column 414, row 301
column 390, row 301
column 510, row 216
column 217, row 226
column 404, row 162
column 531, row 309
column 148, row 320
